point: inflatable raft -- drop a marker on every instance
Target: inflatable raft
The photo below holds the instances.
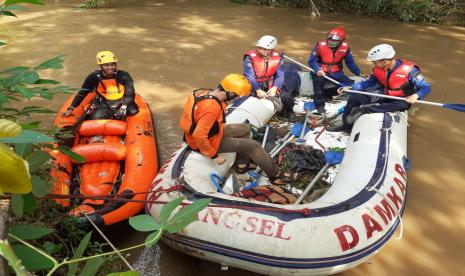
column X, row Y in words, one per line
column 120, row 159
column 344, row 227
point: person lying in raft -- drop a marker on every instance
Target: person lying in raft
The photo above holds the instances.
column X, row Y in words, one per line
column 115, row 90
column 263, row 67
column 326, row 60
column 203, row 123
column 395, row 77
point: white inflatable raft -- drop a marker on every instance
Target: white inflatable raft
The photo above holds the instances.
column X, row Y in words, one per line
column 343, row 228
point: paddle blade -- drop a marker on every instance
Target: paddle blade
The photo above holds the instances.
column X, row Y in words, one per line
column 334, row 157
column 296, row 129
column 309, row 106
column 456, row 107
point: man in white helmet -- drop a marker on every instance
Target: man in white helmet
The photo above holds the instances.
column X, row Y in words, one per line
column 263, row 67
column 391, row 76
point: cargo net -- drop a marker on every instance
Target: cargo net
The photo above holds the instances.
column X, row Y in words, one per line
column 299, row 160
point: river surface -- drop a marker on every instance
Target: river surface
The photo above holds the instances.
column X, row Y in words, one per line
column 173, row 47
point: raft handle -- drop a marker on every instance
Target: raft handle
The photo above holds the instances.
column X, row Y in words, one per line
column 215, row 178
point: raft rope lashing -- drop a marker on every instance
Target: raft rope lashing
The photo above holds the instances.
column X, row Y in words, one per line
column 371, row 189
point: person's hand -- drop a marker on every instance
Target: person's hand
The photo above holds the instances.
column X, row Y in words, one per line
column 121, row 112
column 343, row 89
column 321, row 73
column 272, row 91
column 363, row 75
column 68, row 111
column 412, row 98
column 261, row 94
column 219, row 160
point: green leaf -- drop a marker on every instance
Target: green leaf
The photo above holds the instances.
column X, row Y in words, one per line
column 155, row 235
column 31, row 259
column 9, row 2
column 52, row 248
column 12, row 80
column 31, row 125
column 23, row 149
column 7, row 13
column 144, row 223
column 35, row 109
column 46, row 81
column 126, row 273
column 17, row 205
column 29, row 203
column 30, row 77
column 168, row 209
column 40, row 187
column 24, row 91
column 14, row 8
column 16, row 70
column 54, row 63
column 2, row 43
column 28, row 136
column 76, row 157
column 29, row 231
column 36, row 159
column 78, row 253
column 92, row 266
column 186, row 215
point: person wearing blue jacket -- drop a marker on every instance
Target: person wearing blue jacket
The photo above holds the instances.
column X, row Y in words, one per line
column 390, row 76
column 326, row 60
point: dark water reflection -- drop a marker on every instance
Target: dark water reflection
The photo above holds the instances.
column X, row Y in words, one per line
column 172, row 47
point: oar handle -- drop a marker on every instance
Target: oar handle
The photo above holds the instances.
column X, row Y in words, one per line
column 310, row 186
column 308, row 68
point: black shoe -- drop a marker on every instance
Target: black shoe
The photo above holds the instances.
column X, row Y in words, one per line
column 355, row 113
column 321, row 109
column 337, row 125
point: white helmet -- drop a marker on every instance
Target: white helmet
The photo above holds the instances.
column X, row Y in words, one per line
column 267, row 42
column 380, row 52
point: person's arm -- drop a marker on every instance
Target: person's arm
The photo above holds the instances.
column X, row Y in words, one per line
column 90, row 83
column 206, row 120
column 361, row 86
column 279, row 76
column 129, row 92
column 313, row 60
column 421, row 86
column 350, row 62
column 249, row 73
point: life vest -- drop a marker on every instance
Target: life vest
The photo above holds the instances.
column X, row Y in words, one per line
column 397, row 84
column 110, row 89
column 189, row 119
column 264, row 67
column 331, row 62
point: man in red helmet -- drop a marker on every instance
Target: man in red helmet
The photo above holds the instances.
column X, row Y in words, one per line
column 326, row 60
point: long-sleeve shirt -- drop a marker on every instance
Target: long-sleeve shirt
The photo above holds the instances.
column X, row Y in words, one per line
column 92, row 81
column 421, row 86
column 314, row 58
column 249, row 73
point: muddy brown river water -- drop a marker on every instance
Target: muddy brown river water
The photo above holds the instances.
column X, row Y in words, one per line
column 173, row 47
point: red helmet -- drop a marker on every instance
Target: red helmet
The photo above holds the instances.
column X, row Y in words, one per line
column 337, row 34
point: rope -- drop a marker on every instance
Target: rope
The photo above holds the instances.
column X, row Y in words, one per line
column 304, row 211
column 371, row 189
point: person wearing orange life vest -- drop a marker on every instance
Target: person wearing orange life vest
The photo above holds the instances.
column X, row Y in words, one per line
column 326, row 60
column 263, row 67
column 394, row 77
column 115, row 90
column 203, row 124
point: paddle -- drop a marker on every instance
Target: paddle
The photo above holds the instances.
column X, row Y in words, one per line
column 332, row 158
column 456, row 107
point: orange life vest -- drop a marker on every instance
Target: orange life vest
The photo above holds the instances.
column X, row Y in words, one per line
column 331, row 62
column 397, row 84
column 110, row 89
column 264, row 67
column 199, row 102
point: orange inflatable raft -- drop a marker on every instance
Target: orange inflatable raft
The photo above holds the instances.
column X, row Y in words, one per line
column 120, row 161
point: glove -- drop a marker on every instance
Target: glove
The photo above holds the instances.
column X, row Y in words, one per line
column 261, row 94
column 121, row 112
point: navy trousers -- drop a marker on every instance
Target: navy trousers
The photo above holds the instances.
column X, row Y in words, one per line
column 321, row 92
column 381, row 106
